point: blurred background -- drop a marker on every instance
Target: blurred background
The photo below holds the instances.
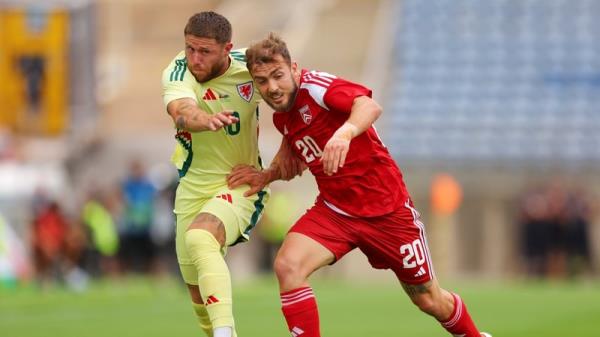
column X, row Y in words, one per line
column 491, row 109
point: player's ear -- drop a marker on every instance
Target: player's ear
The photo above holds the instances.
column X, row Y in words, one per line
column 228, row 46
column 294, row 67
column 295, row 72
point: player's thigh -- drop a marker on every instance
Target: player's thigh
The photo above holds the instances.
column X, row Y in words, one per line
column 186, row 212
column 238, row 214
column 316, row 239
column 300, row 254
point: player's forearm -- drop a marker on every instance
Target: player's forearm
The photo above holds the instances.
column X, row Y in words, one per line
column 271, row 174
column 190, row 118
column 286, row 165
column 364, row 113
column 288, row 170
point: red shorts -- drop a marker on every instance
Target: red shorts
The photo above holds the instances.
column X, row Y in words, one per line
column 393, row 241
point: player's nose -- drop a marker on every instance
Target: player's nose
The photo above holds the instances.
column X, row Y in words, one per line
column 196, row 59
column 273, row 87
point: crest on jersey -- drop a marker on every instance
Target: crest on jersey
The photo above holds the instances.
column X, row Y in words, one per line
column 246, row 90
column 306, row 114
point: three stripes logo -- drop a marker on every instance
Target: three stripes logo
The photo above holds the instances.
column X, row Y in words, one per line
column 209, row 95
column 179, row 70
column 211, row 300
column 421, row 272
column 296, row 331
column 226, row 197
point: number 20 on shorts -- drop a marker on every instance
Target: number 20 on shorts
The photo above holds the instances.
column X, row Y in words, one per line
column 413, row 254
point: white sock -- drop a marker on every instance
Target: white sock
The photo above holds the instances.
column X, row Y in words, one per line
column 224, row 331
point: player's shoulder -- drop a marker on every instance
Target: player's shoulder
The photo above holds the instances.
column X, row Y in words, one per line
column 316, row 84
column 176, row 69
column 316, row 77
column 178, row 60
column 238, row 60
column 238, row 54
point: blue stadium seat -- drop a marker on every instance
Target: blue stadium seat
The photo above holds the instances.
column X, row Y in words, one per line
column 496, row 80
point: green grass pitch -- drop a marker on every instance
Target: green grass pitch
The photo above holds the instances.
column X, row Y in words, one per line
column 144, row 308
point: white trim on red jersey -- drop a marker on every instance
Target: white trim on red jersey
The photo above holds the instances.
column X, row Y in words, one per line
column 317, row 83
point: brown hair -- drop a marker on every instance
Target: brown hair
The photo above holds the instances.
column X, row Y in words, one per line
column 209, row 25
column 264, row 51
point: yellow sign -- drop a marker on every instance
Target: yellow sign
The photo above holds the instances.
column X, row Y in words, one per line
column 33, row 69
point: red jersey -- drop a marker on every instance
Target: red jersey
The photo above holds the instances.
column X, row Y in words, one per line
column 370, row 183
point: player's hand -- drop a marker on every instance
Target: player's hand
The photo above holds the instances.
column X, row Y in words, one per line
column 221, row 119
column 336, row 149
column 247, row 175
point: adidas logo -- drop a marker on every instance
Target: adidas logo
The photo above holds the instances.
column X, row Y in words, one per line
column 209, row 95
column 421, row 272
column 296, row 331
column 211, row 300
column 226, row 197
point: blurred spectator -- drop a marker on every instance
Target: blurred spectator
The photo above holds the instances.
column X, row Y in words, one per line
column 49, row 233
column 554, row 222
column 101, row 237
column 137, row 250
column 13, row 257
column 535, row 224
column 576, row 220
column 163, row 230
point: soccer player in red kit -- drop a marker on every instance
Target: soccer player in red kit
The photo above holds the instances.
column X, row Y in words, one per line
column 362, row 203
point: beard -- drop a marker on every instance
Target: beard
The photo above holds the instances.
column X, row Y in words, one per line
column 286, row 105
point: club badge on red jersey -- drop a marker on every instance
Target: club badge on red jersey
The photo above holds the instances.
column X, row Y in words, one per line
column 306, row 114
column 246, row 90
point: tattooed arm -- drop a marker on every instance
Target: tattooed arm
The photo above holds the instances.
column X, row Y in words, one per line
column 188, row 116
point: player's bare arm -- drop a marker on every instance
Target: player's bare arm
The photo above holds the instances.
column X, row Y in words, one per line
column 188, row 116
column 364, row 113
column 285, row 166
column 287, row 162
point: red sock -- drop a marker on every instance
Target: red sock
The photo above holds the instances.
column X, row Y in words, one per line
column 300, row 310
column 460, row 322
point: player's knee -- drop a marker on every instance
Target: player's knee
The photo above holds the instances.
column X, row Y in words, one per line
column 200, row 241
column 287, row 268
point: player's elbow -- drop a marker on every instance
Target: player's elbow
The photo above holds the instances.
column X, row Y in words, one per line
column 172, row 108
column 376, row 109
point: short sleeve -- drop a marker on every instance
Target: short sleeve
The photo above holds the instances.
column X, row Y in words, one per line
column 178, row 82
column 341, row 94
